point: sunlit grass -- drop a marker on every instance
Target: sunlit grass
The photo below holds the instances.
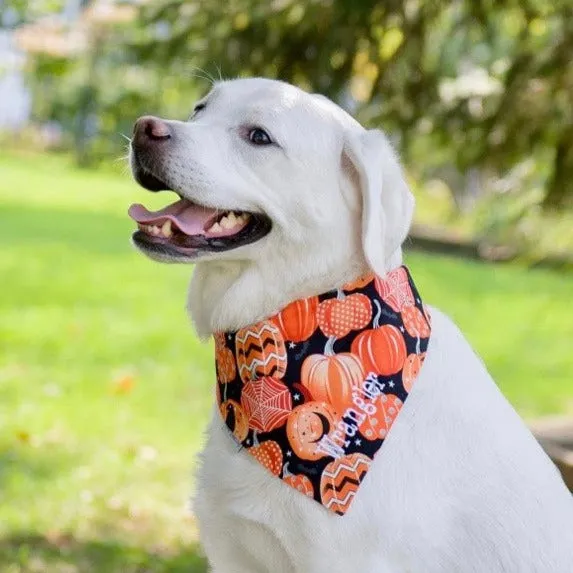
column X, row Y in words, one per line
column 104, row 389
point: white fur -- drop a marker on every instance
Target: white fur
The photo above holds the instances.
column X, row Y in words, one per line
column 460, row 484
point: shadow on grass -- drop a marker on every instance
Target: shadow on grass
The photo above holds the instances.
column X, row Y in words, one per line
column 24, row 464
column 67, row 554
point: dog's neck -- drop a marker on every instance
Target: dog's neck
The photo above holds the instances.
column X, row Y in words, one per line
column 232, row 294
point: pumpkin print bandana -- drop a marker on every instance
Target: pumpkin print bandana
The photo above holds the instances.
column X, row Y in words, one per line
column 311, row 393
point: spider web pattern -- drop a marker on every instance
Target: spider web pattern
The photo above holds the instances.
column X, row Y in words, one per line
column 395, row 289
column 267, row 403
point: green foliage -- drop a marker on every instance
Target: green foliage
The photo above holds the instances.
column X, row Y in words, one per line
column 483, row 83
column 487, row 82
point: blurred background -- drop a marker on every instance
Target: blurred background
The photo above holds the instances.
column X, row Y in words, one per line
column 104, row 389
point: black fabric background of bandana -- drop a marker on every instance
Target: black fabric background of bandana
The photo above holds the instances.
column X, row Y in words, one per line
column 316, row 345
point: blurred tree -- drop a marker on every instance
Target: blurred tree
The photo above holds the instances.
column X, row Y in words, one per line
column 480, row 84
column 485, row 82
column 84, row 79
column 16, row 12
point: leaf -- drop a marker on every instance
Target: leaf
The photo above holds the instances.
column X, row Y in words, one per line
column 123, row 384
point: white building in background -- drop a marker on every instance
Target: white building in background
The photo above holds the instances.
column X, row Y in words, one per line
column 15, row 100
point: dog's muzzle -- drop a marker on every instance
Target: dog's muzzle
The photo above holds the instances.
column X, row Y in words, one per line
column 184, row 229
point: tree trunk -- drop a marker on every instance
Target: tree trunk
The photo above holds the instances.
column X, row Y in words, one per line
column 560, row 188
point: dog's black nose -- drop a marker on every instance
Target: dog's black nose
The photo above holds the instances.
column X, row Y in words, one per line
column 148, row 130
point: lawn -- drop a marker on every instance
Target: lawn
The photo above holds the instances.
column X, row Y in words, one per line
column 104, row 389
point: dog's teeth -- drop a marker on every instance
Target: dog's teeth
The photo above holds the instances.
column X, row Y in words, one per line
column 155, row 230
column 166, row 228
column 232, row 219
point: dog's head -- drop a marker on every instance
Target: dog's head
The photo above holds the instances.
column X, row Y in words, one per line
column 276, row 185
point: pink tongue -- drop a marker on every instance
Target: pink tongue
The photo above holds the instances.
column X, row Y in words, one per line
column 188, row 217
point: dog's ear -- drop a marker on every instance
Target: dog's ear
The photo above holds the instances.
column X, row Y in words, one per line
column 387, row 204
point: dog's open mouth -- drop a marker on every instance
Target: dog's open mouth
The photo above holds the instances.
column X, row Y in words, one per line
column 185, row 229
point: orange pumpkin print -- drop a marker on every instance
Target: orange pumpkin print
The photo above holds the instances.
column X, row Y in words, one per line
column 307, row 424
column 339, row 316
column 382, row 350
column 332, row 378
column 270, row 455
column 219, row 338
column 412, row 366
column 224, row 360
column 235, row 418
column 376, row 426
column 260, row 351
column 395, row 290
column 340, row 480
column 415, row 322
column 300, row 482
column 225, row 364
column 297, row 321
column 360, row 282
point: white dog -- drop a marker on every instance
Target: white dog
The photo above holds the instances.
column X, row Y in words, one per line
column 285, row 196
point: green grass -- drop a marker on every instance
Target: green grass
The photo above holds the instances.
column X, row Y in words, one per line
column 104, row 390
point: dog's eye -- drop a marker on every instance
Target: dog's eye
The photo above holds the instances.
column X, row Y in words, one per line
column 198, row 108
column 258, row 136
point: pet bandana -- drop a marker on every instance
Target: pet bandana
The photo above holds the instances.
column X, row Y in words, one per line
column 311, row 393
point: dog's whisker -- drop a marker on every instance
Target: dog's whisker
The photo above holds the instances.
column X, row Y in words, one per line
column 203, row 74
column 219, row 72
column 122, row 158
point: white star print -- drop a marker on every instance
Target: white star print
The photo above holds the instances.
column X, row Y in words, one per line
column 391, row 384
column 289, row 454
column 358, row 441
column 291, row 344
column 347, row 443
column 296, row 396
column 401, row 329
column 248, row 442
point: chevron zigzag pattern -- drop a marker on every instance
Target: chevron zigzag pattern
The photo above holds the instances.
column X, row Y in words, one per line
column 260, row 351
column 270, row 365
column 255, row 344
column 340, row 481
